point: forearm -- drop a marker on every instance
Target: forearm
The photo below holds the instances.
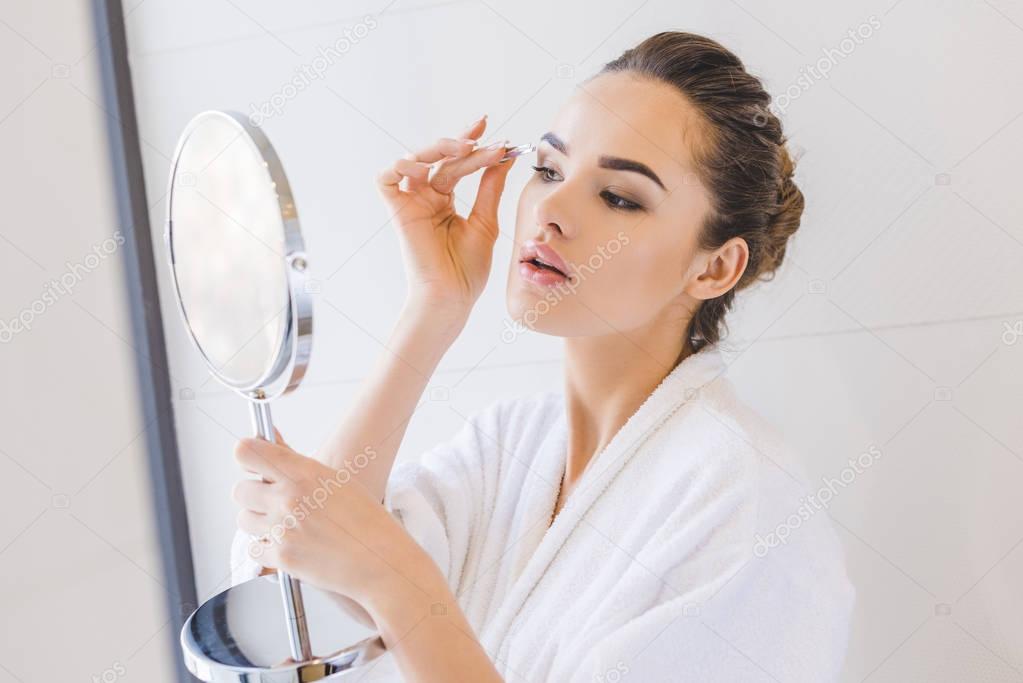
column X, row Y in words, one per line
column 380, row 414
column 426, row 631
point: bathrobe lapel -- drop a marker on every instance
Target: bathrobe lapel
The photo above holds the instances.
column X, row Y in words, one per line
column 679, row 386
column 535, row 502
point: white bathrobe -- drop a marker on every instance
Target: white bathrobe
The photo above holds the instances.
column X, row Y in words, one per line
column 686, row 551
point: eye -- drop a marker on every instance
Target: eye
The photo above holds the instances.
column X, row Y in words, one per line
column 546, row 174
column 617, row 202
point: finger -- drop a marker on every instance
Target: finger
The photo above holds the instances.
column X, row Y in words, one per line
column 388, row 183
column 488, row 196
column 261, row 457
column 253, row 523
column 475, row 130
column 253, row 495
column 417, row 173
column 389, row 180
column 450, row 172
column 443, row 148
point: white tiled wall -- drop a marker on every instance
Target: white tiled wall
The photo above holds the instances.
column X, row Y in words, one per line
column 891, row 325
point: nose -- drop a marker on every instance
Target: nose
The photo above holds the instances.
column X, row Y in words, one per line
column 550, row 214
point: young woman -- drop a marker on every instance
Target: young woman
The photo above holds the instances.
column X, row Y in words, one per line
column 639, row 524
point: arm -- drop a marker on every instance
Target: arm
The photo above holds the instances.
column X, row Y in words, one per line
column 389, row 396
column 345, row 540
column 383, row 409
column 447, row 262
column 428, row 634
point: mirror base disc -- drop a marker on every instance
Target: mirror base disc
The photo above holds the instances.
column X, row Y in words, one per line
column 239, row 636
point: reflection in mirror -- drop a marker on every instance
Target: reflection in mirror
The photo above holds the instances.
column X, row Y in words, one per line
column 228, row 250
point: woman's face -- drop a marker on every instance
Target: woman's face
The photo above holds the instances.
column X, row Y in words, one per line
column 619, row 202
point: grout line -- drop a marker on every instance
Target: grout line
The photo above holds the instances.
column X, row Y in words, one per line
column 358, row 379
column 883, row 328
column 736, row 342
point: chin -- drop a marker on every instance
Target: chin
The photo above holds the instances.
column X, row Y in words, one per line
column 530, row 311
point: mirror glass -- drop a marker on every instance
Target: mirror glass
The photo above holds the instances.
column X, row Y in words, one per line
column 226, row 237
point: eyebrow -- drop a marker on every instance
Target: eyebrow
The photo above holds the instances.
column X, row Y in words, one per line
column 555, row 142
column 613, row 163
column 619, row 164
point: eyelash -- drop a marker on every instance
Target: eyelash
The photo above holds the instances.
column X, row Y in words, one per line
column 610, row 198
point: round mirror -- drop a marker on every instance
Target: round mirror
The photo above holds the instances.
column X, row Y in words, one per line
column 239, row 270
column 236, row 254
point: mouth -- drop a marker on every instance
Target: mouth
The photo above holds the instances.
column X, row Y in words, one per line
column 540, row 264
column 537, row 263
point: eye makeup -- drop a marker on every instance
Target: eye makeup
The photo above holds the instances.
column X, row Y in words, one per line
column 612, row 198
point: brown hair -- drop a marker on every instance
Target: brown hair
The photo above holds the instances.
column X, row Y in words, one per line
column 743, row 162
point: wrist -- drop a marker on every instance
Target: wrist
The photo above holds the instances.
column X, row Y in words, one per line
column 441, row 316
column 423, row 627
column 402, row 600
column 431, row 331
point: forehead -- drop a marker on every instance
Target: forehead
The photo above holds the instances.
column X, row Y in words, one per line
column 635, row 117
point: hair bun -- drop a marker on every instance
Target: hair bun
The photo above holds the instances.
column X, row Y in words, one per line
column 786, row 216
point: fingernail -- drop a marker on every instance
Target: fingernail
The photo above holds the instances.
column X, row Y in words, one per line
column 497, row 145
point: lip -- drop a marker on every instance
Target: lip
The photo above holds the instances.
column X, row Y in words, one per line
column 532, row 249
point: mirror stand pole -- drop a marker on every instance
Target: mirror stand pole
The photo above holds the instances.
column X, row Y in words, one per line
column 291, row 589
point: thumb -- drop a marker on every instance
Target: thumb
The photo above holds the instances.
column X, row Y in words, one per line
column 280, row 439
column 488, row 196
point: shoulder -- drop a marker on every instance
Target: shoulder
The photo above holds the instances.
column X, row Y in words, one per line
column 756, row 452
column 742, row 446
column 736, row 425
column 791, row 586
column 495, row 431
column 475, row 459
column 513, row 417
column 782, row 537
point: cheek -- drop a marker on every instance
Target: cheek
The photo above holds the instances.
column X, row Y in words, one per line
column 525, row 211
column 647, row 276
column 634, row 280
column 524, row 228
column 629, row 271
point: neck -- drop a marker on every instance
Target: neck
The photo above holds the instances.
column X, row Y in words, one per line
column 607, row 378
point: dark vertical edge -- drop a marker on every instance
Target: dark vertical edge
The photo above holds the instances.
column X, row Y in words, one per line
column 147, row 321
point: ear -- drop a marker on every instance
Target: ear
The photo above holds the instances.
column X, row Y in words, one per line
column 714, row 273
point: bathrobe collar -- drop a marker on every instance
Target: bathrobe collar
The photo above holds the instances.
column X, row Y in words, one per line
column 679, row 386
